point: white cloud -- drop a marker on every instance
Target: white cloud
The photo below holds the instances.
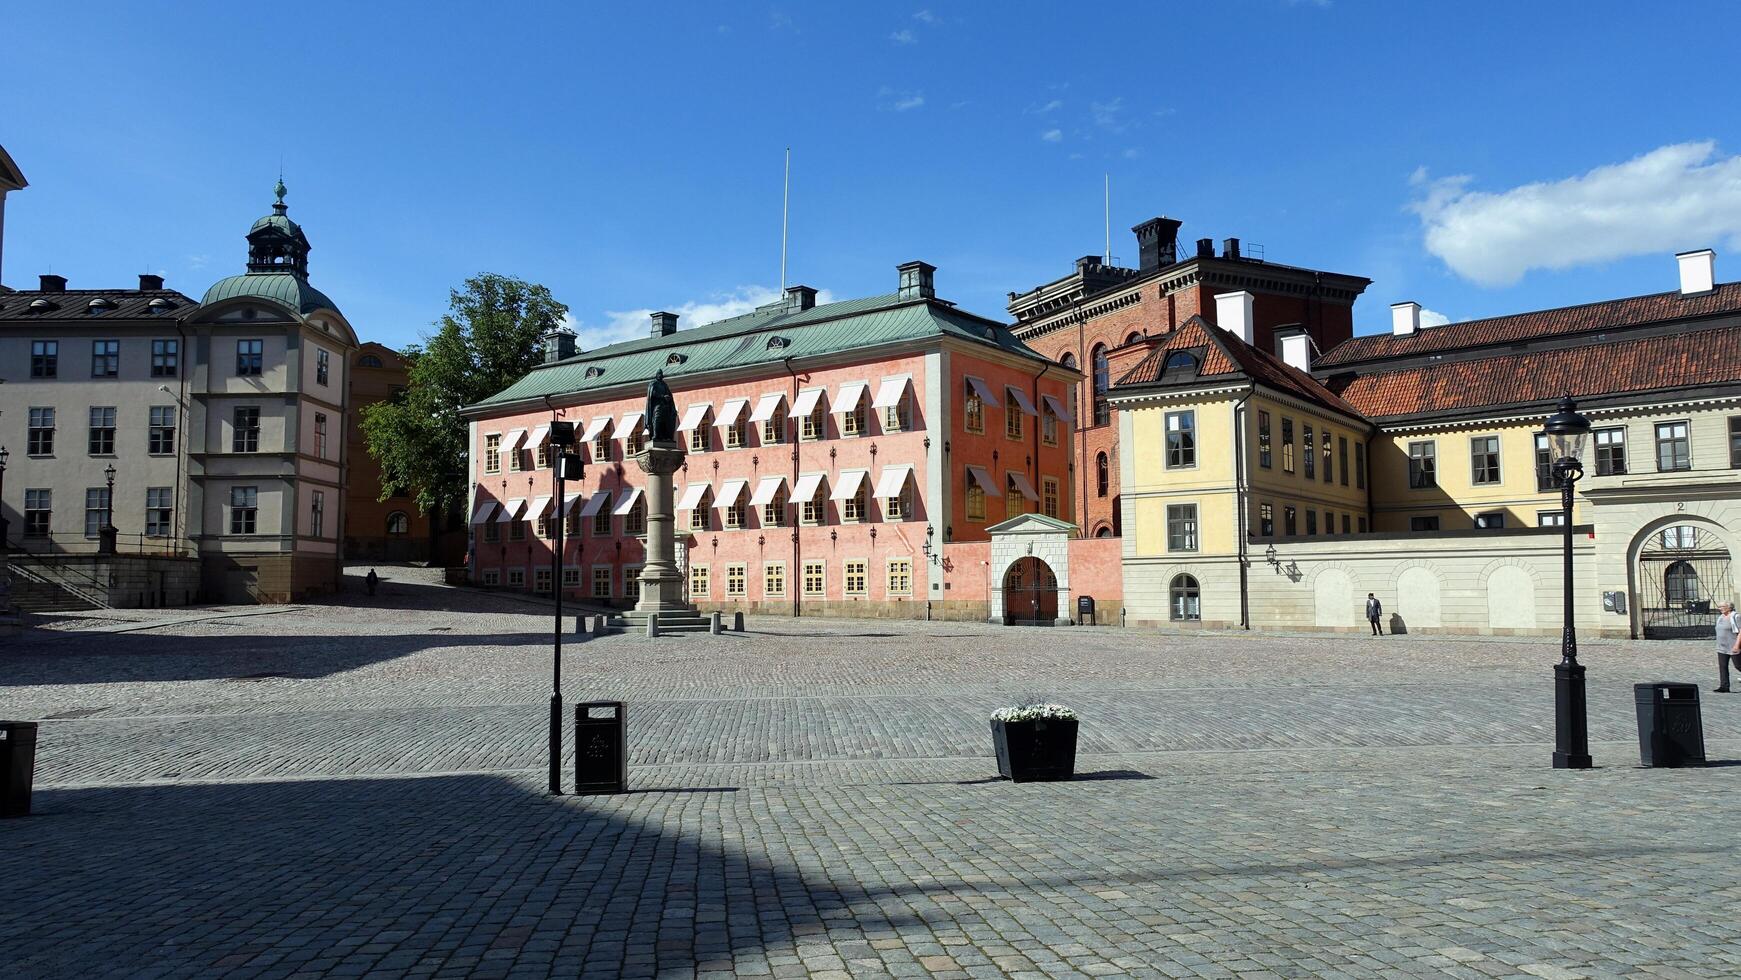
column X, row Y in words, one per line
column 621, row 325
column 197, row 262
column 904, row 36
column 1673, row 198
column 1433, row 318
column 1053, row 136
column 1109, row 114
column 912, row 101
column 925, row 17
column 1040, row 110
column 1131, row 153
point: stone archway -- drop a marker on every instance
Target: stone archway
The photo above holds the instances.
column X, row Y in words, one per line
column 1027, row 541
column 1030, row 593
column 1683, row 570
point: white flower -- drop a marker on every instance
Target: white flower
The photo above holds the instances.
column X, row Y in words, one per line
column 1034, row 712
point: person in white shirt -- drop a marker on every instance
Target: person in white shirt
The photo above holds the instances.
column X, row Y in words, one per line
column 1728, row 643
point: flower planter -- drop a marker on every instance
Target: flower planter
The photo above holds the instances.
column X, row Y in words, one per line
column 1041, row 750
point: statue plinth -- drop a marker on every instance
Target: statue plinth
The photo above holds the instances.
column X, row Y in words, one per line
column 661, row 582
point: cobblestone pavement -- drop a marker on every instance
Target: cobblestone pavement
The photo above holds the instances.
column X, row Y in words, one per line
column 341, row 789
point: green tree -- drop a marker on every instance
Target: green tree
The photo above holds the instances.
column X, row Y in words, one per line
column 489, row 338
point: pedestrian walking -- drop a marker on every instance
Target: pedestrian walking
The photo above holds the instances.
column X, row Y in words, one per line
column 1728, row 643
column 372, row 580
column 1374, row 611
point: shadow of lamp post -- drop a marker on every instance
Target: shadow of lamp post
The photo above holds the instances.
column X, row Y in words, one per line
column 1567, row 432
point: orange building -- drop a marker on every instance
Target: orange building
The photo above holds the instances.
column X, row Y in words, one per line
column 376, row 529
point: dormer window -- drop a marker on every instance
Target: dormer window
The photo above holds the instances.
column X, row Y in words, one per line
column 369, row 360
column 159, row 306
column 676, row 359
column 778, row 343
column 39, row 306
column 1179, row 365
column 594, row 372
column 99, row 306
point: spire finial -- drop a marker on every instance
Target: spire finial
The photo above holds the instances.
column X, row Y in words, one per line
column 280, row 191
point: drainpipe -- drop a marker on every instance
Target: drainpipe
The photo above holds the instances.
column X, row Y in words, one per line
column 184, row 363
column 1239, row 496
column 794, row 580
column 1039, row 423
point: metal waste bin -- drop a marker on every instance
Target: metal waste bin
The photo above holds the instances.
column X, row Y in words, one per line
column 17, row 766
column 601, row 751
column 1670, row 732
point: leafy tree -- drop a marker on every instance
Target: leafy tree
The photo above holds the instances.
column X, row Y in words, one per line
column 489, row 339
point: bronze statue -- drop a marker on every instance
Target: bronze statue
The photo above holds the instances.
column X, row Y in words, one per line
column 661, row 410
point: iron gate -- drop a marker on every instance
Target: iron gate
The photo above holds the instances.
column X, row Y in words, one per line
column 1683, row 573
column 1030, row 593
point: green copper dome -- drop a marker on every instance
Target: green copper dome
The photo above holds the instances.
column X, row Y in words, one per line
column 279, row 287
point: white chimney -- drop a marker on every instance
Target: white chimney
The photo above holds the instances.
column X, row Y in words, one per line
column 1698, row 271
column 1297, row 350
column 1405, row 318
column 1233, row 314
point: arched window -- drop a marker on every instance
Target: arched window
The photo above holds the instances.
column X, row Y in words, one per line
column 1180, row 365
column 1134, row 337
column 1103, row 531
column 398, row 525
column 1102, row 475
column 1680, row 583
column 1185, row 607
column 1069, row 361
column 368, row 360
column 1102, row 381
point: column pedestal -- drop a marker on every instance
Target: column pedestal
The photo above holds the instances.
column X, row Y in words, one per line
column 661, row 581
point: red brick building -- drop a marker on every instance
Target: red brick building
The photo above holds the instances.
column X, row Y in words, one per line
column 1101, row 319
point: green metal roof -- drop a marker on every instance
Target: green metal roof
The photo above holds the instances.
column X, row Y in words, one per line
column 280, row 287
column 743, row 341
column 279, row 221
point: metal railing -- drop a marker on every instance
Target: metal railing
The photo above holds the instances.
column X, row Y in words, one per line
column 126, row 543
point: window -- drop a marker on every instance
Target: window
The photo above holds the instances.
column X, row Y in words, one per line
column 1048, row 425
column 774, row 429
column 1181, row 440
column 1102, row 475
column 1287, row 445
column 1263, row 447
column 492, row 532
column 250, row 357
column 815, row 578
column 541, row 580
column 320, row 435
column 492, row 576
column 601, row 521
column 632, row 584
column 774, row 580
column 975, row 501
column 493, row 453
column 1184, row 604
column 900, row 576
column 317, row 514
column 44, row 358
column 1544, row 464
column 637, row 442
column 1735, row 442
column 736, row 514
column 516, row 530
column 1049, row 496
column 896, row 417
column 1311, row 522
column 160, row 439
column 1102, row 381
column 1484, row 460
column 1424, row 523
column 1341, row 458
column 1324, row 452
column 1012, row 416
column 1014, row 504
column 1680, row 584
column 246, row 438
column 774, row 511
column 96, row 510
column 973, row 410
column 1610, row 452
column 1310, row 449
column 698, row 581
column 1346, row 521
column 570, row 577
column 1360, row 465
column 165, row 358
column 1550, row 518
column 1361, row 521
column 1181, row 527
column 1423, row 465
column 105, row 358
column 369, row 360
column 814, row 425
column 398, row 524
column 698, row 435
column 541, row 455
column 517, row 578
column 1681, row 537
column 1491, row 520
column 1266, row 520
column 700, row 518
column 516, row 455
column 244, row 509
column 815, row 508
column 897, row 507
column 852, row 419
column 38, row 507
column 601, row 447
column 1673, row 450
column 322, row 364
column 737, row 434
column 601, row 581
column 736, row 577
column 635, row 521
column 856, row 577
column 1290, row 523
column 102, row 430
column 852, row 508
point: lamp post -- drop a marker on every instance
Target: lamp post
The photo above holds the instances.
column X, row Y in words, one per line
column 4, row 455
column 561, row 438
column 106, row 533
column 1567, row 432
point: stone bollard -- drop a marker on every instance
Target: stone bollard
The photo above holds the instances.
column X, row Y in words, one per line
column 713, row 623
column 652, row 625
column 580, row 625
column 598, row 626
column 737, row 622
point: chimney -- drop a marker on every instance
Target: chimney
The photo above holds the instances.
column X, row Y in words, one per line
column 54, row 284
column 1405, row 318
column 1157, row 243
column 1233, row 314
column 148, row 282
column 1230, row 248
column 1297, row 350
column 917, row 280
column 664, row 324
column 1698, row 271
column 559, row 344
column 1205, row 248
column 800, row 298
column 1086, row 263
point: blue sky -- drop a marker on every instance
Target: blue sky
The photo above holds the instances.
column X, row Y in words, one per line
column 1478, row 158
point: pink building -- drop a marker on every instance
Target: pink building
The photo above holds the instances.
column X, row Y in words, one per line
column 834, row 451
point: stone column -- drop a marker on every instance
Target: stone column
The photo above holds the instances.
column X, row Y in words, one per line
column 661, row 582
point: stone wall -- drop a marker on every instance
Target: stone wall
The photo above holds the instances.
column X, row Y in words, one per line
column 119, row 581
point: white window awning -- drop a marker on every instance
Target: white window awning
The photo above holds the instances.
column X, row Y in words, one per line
column 1057, row 407
column 511, row 510
column 894, row 480
column 850, row 481
column 767, row 490
column 730, row 490
column 766, row 407
column 595, row 503
column 482, row 514
column 692, row 416
column 983, row 390
column 539, row 506
column 692, row 495
column 595, row 428
column 806, row 486
column 851, row 392
column 1021, row 400
column 538, row 436
column 1022, row 484
column 889, row 393
column 806, row 402
column 630, row 424
column 991, row 487
column 626, row 501
column 514, row 438
column 729, row 412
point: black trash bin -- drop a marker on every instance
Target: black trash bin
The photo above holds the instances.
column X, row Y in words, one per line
column 17, row 766
column 601, row 751
column 1670, row 732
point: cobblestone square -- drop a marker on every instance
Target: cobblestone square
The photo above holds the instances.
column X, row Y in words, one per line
column 344, row 789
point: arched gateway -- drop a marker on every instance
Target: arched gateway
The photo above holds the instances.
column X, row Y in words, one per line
column 1683, row 572
column 1030, row 571
column 1030, row 593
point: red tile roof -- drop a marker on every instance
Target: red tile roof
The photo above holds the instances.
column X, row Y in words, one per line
column 1631, row 311
column 1700, row 357
column 1226, row 357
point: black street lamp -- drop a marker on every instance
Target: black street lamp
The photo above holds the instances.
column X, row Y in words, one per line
column 4, row 456
column 106, row 533
column 561, row 438
column 1567, row 432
